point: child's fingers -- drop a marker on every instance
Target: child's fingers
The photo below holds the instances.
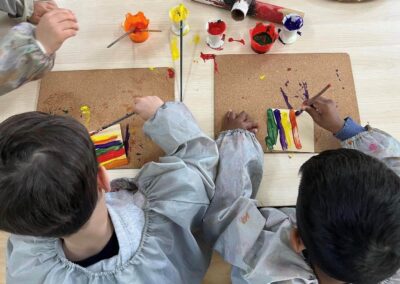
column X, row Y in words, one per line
column 312, row 112
column 242, row 116
column 69, row 25
column 69, row 33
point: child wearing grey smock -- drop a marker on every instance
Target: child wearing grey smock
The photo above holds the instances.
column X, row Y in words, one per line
column 256, row 241
column 155, row 216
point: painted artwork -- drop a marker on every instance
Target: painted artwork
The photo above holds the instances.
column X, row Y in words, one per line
column 110, row 148
column 288, row 132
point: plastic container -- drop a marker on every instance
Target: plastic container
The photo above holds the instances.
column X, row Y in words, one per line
column 263, row 37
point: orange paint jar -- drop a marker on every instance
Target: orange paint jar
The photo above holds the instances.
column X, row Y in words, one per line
column 138, row 22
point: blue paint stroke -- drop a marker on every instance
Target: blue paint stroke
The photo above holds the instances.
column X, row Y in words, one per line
column 282, row 137
column 286, row 98
column 107, row 145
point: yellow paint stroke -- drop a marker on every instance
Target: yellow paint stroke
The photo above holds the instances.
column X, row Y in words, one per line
column 178, row 13
column 262, row 77
column 85, row 111
column 287, row 127
column 152, row 68
column 196, row 39
column 174, row 48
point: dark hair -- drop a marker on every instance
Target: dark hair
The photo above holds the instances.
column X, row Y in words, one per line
column 48, row 175
column 348, row 216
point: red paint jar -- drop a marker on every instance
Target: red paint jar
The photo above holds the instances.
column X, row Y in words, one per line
column 263, row 37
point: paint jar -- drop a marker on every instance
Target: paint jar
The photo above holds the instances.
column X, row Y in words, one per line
column 292, row 23
column 263, row 37
column 138, row 22
column 176, row 15
column 215, row 33
column 240, row 8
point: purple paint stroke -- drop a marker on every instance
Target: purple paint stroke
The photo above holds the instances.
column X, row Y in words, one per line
column 110, row 144
column 282, row 137
column 306, row 94
column 126, row 140
column 286, row 98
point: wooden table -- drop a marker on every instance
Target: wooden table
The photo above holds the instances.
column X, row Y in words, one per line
column 369, row 32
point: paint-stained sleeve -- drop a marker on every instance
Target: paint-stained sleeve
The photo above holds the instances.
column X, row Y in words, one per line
column 19, row 9
column 378, row 144
column 233, row 222
column 21, row 59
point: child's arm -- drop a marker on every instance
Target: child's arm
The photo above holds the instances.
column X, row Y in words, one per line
column 368, row 140
column 27, row 53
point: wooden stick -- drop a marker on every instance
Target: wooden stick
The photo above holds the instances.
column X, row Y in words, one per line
column 312, row 100
column 181, row 60
column 132, row 31
column 112, row 123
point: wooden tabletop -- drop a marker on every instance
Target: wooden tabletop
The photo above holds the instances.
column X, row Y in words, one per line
column 369, row 32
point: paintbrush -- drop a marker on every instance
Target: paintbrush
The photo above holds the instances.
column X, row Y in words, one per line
column 112, row 123
column 132, row 31
column 312, row 100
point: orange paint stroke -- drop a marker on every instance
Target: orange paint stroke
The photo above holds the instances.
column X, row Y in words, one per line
column 287, row 127
column 295, row 130
column 138, row 22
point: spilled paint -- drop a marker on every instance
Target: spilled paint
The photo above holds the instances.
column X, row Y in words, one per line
column 295, row 129
column 209, row 56
column 171, row 73
column 126, row 140
column 272, row 130
column 262, row 77
column 287, row 127
column 196, row 39
column 85, row 112
column 237, row 40
column 286, row 98
column 306, row 94
column 174, row 49
column 282, row 138
column 287, row 83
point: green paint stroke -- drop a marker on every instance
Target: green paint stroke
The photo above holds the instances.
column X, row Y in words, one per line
column 112, row 148
column 272, row 131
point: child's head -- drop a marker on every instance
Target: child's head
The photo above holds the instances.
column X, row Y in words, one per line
column 48, row 175
column 348, row 215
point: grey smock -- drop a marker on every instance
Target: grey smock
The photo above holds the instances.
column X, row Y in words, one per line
column 257, row 241
column 156, row 217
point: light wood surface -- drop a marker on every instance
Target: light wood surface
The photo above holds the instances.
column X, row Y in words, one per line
column 369, row 32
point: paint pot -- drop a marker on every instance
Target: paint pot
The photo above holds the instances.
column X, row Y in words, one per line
column 138, row 22
column 176, row 15
column 263, row 37
column 292, row 23
column 215, row 33
column 240, row 8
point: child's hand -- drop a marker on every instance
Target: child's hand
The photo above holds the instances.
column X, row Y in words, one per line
column 325, row 114
column 239, row 121
column 55, row 27
column 146, row 107
column 40, row 8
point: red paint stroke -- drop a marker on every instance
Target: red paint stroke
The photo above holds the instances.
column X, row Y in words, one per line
column 210, row 56
column 110, row 155
column 171, row 73
column 295, row 130
column 286, row 98
column 237, row 40
column 216, row 28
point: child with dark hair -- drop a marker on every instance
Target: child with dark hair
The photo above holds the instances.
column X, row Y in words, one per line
column 66, row 225
column 346, row 225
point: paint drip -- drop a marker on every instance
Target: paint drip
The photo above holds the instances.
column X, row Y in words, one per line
column 287, row 127
column 209, row 56
column 282, row 138
column 237, row 40
column 272, row 130
column 171, row 73
column 295, row 130
column 85, row 112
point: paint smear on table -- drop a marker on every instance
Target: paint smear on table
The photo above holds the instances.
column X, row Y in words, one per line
column 262, row 77
column 286, row 98
column 295, row 129
column 196, row 39
column 210, row 56
column 237, row 40
column 85, row 113
column 304, row 86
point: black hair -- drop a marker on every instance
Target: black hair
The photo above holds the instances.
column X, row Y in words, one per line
column 348, row 216
column 48, row 175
